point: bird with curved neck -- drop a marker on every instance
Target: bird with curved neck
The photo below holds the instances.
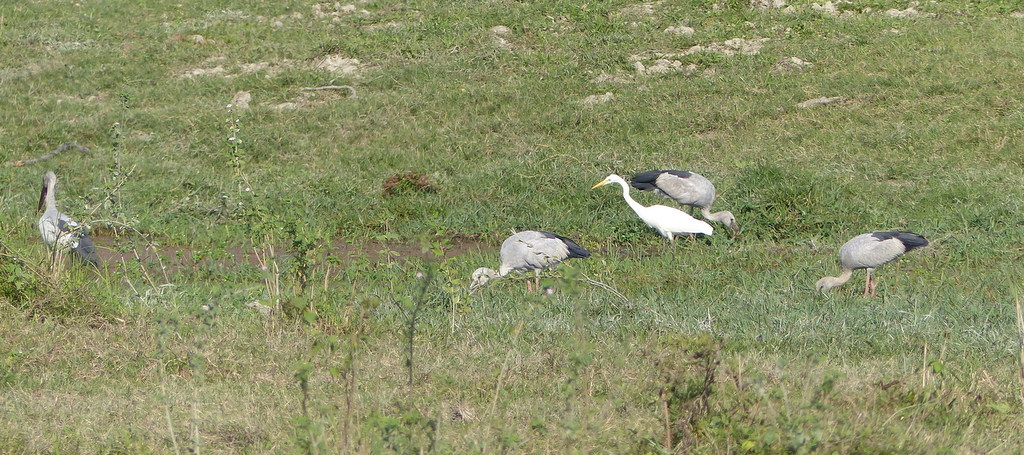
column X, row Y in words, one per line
column 530, row 250
column 686, row 188
column 870, row 251
column 58, row 230
column 668, row 221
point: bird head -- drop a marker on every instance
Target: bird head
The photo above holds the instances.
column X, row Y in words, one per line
column 730, row 222
column 480, row 277
column 824, row 285
column 610, row 179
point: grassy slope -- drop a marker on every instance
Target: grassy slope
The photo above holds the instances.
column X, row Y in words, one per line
column 927, row 138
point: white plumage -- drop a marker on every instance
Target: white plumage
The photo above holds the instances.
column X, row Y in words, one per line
column 870, row 251
column 530, row 250
column 668, row 221
column 58, row 230
column 686, row 188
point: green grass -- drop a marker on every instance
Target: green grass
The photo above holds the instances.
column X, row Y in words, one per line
column 137, row 360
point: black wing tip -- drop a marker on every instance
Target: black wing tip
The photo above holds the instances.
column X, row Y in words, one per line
column 575, row 250
column 86, row 251
column 645, row 181
column 910, row 240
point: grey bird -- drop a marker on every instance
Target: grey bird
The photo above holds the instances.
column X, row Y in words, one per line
column 530, row 250
column 870, row 251
column 59, row 231
column 686, row 188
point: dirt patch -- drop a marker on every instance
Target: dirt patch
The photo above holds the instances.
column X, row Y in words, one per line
column 409, row 182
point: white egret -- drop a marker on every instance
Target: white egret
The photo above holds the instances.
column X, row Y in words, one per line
column 530, row 250
column 686, row 188
column 668, row 221
column 870, row 251
column 59, row 231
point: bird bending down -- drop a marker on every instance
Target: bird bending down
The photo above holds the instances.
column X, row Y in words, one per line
column 59, row 231
column 686, row 188
column 668, row 221
column 870, row 251
column 530, row 250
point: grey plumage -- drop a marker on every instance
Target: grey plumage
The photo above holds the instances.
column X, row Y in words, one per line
column 870, row 251
column 60, row 231
column 686, row 188
column 530, row 250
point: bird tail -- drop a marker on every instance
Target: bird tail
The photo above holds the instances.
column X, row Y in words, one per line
column 86, row 251
column 911, row 240
column 575, row 250
column 644, row 181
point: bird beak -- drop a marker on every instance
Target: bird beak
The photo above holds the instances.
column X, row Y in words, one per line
column 601, row 183
column 735, row 230
column 42, row 199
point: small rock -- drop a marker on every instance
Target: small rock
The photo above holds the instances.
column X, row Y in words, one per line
column 819, row 101
column 681, row 30
column 264, row 310
column 1017, row 14
column 198, row 39
column 791, row 64
column 828, row 8
column 501, row 30
column 767, row 4
column 598, row 99
column 241, row 100
column 339, row 65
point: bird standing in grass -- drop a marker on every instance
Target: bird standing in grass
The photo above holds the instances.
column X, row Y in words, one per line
column 59, row 231
column 686, row 188
column 668, row 221
column 530, row 250
column 870, row 251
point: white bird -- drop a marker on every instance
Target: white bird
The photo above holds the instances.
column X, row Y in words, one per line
column 530, row 250
column 870, row 251
column 686, row 188
column 668, row 221
column 59, row 231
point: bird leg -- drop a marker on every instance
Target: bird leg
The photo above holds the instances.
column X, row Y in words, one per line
column 873, row 284
column 867, row 282
column 529, row 286
column 536, row 280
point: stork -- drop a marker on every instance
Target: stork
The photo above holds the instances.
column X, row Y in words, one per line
column 530, row 250
column 686, row 188
column 59, row 231
column 870, row 251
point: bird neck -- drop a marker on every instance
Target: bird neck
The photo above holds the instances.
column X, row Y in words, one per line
column 51, row 197
column 711, row 216
column 840, row 280
column 629, row 199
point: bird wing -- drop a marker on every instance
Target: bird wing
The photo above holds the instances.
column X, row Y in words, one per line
column 532, row 250
column 867, row 251
column 687, row 188
column 574, row 249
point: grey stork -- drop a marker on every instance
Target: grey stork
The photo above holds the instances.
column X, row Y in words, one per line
column 870, row 251
column 530, row 250
column 59, row 231
column 668, row 221
column 686, row 188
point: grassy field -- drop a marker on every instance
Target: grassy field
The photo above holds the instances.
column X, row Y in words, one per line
column 721, row 346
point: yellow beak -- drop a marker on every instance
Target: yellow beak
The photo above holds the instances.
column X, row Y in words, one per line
column 601, row 183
